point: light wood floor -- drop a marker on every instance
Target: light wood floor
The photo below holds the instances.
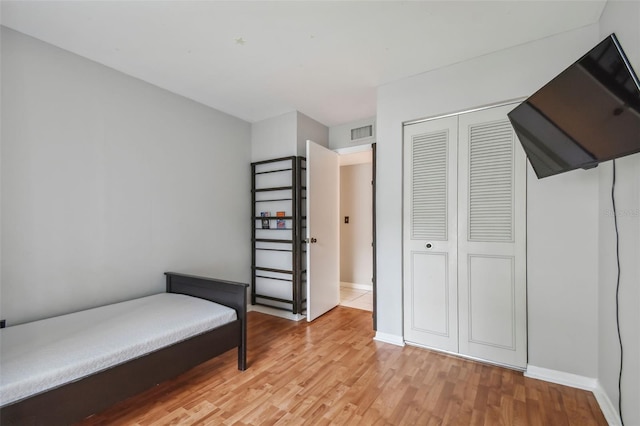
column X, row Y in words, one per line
column 332, row 372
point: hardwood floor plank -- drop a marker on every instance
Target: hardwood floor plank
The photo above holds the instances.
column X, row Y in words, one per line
column 331, row 371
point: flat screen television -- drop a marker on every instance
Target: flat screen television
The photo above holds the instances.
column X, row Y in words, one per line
column 588, row 114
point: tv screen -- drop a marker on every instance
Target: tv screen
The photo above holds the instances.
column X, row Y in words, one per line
column 588, row 114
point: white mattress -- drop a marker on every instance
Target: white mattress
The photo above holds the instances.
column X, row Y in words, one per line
column 42, row 355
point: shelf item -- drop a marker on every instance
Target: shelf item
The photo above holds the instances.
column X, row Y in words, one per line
column 278, row 222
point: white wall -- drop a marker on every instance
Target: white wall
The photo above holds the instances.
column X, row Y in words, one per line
column 274, row 137
column 285, row 135
column 562, row 253
column 562, row 271
column 623, row 18
column 340, row 136
column 310, row 129
column 356, row 253
column 107, row 182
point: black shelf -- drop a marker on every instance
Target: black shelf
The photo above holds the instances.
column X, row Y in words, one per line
column 273, row 199
column 274, row 171
column 273, row 278
column 272, row 249
column 276, row 270
column 272, row 306
column 274, row 217
column 271, row 240
column 275, row 299
column 275, row 188
column 302, row 311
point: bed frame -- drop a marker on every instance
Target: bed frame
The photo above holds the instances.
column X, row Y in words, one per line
column 74, row 401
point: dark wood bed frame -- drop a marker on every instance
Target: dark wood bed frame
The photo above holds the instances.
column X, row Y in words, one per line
column 74, row 401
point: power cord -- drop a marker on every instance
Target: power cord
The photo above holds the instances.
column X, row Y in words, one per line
column 615, row 222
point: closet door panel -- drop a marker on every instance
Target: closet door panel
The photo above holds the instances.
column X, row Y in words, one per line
column 491, row 293
column 430, row 293
column 430, row 234
column 491, row 239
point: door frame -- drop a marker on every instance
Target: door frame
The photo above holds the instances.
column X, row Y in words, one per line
column 374, row 279
column 352, row 150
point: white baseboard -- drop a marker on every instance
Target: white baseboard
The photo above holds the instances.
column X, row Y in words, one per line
column 609, row 410
column 366, row 287
column 561, row 378
column 276, row 312
column 389, row 338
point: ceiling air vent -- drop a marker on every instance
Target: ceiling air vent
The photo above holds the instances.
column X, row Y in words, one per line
column 362, row 132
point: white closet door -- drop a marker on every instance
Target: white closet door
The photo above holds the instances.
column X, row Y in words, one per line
column 430, row 234
column 491, row 239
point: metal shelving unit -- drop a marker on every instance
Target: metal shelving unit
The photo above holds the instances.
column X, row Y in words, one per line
column 278, row 258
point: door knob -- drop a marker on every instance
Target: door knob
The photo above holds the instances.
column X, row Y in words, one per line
column 428, row 245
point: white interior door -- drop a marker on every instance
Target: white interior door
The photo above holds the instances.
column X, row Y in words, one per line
column 323, row 233
column 430, row 234
column 491, row 240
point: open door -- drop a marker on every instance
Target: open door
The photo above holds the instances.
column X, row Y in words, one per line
column 323, row 233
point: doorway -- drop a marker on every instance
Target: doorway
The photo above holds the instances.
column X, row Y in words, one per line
column 323, row 252
column 356, row 228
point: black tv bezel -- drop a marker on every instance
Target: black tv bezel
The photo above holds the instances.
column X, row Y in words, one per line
column 523, row 132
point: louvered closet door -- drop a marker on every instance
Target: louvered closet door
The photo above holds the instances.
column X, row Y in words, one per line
column 491, row 239
column 430, row 229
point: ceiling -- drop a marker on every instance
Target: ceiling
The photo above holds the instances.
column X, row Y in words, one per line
column 260, row 59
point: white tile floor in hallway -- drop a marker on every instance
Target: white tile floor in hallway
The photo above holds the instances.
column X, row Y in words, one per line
column 356, row 298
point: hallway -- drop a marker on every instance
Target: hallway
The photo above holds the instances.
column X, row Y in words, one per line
column 355, row 298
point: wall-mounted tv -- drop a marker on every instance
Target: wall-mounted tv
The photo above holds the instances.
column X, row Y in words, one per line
column 588, row 114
